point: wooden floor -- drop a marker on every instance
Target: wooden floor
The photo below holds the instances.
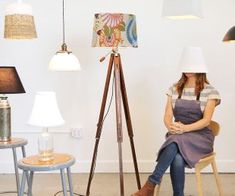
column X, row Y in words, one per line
column 108, row 184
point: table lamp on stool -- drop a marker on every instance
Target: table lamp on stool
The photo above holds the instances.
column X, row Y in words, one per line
column 45, row 114
column 9, row 84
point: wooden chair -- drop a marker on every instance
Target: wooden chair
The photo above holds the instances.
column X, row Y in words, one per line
column 204, row 162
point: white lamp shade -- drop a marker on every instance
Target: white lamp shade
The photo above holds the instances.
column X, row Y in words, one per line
column 45, row 112
column 192, row 61
column 182, row 9
column 64, row 61
column 18, row 8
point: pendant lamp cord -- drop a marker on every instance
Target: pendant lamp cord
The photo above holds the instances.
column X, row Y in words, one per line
column 63, row 13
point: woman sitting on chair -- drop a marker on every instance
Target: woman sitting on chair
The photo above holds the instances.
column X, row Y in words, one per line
column 191, row 103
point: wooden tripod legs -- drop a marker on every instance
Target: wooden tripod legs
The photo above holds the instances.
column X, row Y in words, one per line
column 120, row 94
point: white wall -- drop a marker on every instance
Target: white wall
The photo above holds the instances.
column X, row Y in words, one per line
column 149, row 71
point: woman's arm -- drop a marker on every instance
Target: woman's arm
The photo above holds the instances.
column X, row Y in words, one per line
column 204, row 122
column 168, row 116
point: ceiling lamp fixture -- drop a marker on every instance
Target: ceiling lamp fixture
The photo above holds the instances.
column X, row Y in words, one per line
column 182, row 9
column 230, row 35
column 19, row 21
column 64, row 60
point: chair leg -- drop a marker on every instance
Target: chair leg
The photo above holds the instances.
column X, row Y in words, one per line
column 63, row 182
column 217, row 179
column 22, row 185
column 70, row 181
column 199, row 182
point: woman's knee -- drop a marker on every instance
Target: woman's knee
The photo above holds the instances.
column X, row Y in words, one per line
column 172, row 146
column 178, row 161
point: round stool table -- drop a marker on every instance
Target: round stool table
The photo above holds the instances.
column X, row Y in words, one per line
column 13, row 144
column 33, row 164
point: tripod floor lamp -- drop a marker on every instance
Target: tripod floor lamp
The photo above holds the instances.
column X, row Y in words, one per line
column 115, row 30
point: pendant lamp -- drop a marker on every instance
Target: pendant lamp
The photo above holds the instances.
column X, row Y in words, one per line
column 182, row 9
column 230, row 35
column 19, row 21
column 64, row 60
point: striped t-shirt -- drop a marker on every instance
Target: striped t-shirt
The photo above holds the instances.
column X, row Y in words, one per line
column 209, row 92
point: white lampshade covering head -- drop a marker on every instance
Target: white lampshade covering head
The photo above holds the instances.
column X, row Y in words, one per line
column 192, row 61
column 45, row 112
column 182, row 9
column 64, row 61
column 19, row 21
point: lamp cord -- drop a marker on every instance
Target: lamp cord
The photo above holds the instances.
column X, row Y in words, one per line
column 106, row 113
column 63, row 17
column 108, row 109
column 110, row 101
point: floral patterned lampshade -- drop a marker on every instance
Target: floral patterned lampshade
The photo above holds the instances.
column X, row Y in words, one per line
column 114, row 30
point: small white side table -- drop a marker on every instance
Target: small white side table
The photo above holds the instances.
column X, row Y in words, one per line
column 32, row 164
column 13, row 144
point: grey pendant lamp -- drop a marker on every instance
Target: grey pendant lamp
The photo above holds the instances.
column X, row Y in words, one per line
column 230, row 35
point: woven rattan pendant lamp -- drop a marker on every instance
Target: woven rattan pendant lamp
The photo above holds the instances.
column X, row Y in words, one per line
column 19, row 21
column 64, row 60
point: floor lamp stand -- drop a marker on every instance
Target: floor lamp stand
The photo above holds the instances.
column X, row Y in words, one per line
column 120, row 94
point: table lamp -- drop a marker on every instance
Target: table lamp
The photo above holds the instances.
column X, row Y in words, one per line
column 45, row 114
column 9, row 84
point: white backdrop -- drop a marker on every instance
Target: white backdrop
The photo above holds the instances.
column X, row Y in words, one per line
column 149, row 71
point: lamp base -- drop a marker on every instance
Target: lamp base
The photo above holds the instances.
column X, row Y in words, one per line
column 5, row 120
column 45, row 146
column 5, row 139
column 46, row 155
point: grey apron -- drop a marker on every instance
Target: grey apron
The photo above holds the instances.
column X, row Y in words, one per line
column 192, row 145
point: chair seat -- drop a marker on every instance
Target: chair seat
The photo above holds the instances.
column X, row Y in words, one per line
column 202, row 163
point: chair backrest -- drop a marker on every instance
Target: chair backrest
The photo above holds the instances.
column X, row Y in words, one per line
column 215, row 127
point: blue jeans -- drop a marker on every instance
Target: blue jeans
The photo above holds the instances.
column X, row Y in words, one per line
column 170, row 156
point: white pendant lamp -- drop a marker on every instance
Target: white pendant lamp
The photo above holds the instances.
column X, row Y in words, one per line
column 19, row 21
column 182, row 9
column 64, row 60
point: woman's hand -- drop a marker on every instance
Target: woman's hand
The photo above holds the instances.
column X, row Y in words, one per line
column 177, row 128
